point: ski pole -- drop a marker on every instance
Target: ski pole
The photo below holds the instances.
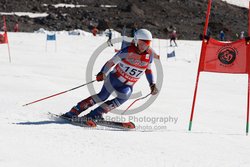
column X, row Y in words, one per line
column 136, row 101
column 58, row 93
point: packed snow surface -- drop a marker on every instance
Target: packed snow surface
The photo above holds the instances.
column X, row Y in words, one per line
column 30, row 137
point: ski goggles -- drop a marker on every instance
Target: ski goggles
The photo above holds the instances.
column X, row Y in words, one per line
column 143, row 44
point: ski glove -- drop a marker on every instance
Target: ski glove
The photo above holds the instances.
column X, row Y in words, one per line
column 154, row 89
column 100, row 76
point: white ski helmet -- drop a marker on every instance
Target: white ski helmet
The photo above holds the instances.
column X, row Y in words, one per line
column 142, row 34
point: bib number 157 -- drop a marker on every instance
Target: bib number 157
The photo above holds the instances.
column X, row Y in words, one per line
column 132, row 71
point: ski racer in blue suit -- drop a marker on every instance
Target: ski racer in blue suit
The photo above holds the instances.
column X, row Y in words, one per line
column 126, row 67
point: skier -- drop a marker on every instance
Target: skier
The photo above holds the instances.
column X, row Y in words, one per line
column 2, row 39
column 109, row 35
column 94, row 31
column 222, row 35
column 242, row 35
column 16, row 27
column 173, row 37
column 129, row 64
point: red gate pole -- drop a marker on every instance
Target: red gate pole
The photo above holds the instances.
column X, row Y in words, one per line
column 207, row 17
column 201, row 62
column 249, row 20
column 194, row 100
column 247, row 122
column 6, row 36
column 248, row 71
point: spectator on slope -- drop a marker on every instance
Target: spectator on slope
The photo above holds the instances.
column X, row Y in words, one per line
column 134, row 29
column 16, row 27
column 209, row 32
column 242, row 35
column 173, row 37
column 222, row 35
column 2, row 40
column 109, row 35
column 94, row 31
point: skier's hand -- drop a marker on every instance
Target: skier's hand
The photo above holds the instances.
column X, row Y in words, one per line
column 100, row 76
column 154, row 89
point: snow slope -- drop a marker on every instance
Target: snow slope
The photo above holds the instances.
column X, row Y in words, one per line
column 29, row 137
column 241, row 3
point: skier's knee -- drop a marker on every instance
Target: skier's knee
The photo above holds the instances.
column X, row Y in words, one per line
column 109, row 105
column 85, row 104
column 124, row 96
column 100, row 97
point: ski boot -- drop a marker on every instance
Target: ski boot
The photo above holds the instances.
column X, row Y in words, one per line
column 73, row 113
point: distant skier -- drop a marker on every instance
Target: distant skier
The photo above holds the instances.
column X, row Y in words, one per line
column 94, row 31
column 222, row 35
column 109, row 34
column 134, row 29
column 242, row 35
column 173, row 37
column 129, row 65
column 16, row 27
column 2, row 38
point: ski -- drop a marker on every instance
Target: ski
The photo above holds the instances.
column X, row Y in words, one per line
column 119, row 125
column 81, row 121
column 76, row 121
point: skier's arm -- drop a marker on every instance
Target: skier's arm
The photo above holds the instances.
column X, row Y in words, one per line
column 109, row 64
column 149, row 75
column 114, row 60
column 150, row 78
